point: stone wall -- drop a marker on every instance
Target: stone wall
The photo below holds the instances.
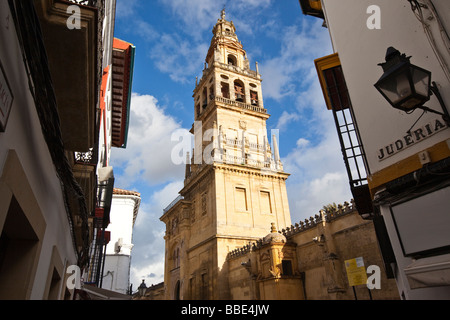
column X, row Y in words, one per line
column 321, row 246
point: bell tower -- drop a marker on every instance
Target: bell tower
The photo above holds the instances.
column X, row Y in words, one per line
column 234, row 186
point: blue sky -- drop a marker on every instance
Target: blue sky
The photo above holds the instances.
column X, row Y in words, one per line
column 172, row 38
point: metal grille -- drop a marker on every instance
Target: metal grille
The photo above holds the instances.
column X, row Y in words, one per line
column 90, row 3
column 351, row 146
column 352, row 149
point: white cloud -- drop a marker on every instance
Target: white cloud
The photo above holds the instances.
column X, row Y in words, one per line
column 201, row 15
column 302, row 143
column 182, row 55
column 180, row 58
column 307, row 198
column 286, row 118
column 195, row 15
column 318, row 175
column 148, row 236
column 125, row 9
column 293, row 68
column 147, row 157
column 145, row 30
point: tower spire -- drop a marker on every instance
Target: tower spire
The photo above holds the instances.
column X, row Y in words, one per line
column 223, row 14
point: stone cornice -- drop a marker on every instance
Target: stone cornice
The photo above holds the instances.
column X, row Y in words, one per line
column 252, row 171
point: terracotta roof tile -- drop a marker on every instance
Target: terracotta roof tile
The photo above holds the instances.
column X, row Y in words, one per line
column 126, row 192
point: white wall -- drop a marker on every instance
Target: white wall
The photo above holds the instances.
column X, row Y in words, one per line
column 121, row 226
column 23, row 134
column 116, row 275
column 361, row 49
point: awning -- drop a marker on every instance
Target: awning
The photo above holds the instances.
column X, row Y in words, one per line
column 429, row 272
column 93, row 293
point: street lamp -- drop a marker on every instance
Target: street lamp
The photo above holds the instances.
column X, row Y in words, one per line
column 406, row 86
column 142, row 288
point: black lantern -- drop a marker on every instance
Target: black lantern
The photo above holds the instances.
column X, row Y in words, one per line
column 404, row 85
column 142, row 288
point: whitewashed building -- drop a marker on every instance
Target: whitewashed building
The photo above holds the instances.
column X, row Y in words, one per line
column 397, row 153
column 124, row 211
column 53, row 56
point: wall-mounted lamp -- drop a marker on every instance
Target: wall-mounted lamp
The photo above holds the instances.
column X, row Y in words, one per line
column 142, row 288
column 406, row 86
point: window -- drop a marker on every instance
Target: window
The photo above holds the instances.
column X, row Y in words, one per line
column 192, row 288
column 266, row 205
column 286, row 265
column 176, row 294
column 204, row 203
column 54, row 285
column 254, row 98
column 338, row 100
column 18, row 251
column 239, row 91
column 204, row 287
column 55, row 277
column 232, row 60
column 241, row 199
column 211, row 93
column 176, row 258
column 205, row 98
column 225, row 90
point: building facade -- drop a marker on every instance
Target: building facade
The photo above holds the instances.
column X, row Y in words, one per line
column 116, row 270
column 54, row 185
column 308, row 261
column 305, row 261
column 222, row 238
column 397, row 153
column 114, row 116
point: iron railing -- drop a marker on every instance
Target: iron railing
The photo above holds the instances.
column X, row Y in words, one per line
column 90, row 3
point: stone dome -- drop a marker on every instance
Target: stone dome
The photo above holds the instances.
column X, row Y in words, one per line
column 274, row 236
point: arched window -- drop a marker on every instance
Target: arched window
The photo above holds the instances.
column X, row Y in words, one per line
column 254, row 98
column 225, row 90
column 176, row 294
column 239, row 91
column 176, row 257
column 232, row 60
column 205, row 98
column 211, row 93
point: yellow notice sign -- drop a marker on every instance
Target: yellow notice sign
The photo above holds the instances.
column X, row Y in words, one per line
column 356, row 272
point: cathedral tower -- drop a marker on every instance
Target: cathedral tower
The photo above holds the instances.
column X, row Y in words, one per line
column 234, row 186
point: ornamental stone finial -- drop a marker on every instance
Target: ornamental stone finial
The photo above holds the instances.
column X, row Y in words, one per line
column 272, row 228
column 223, row 13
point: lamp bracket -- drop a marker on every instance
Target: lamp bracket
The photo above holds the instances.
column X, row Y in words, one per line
column 445, row 114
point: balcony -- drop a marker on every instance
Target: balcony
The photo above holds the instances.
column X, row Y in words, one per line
column 122, row 80
column 75, row 61
column 241, row 105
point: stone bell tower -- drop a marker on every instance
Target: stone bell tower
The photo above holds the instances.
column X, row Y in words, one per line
column 234, row 187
